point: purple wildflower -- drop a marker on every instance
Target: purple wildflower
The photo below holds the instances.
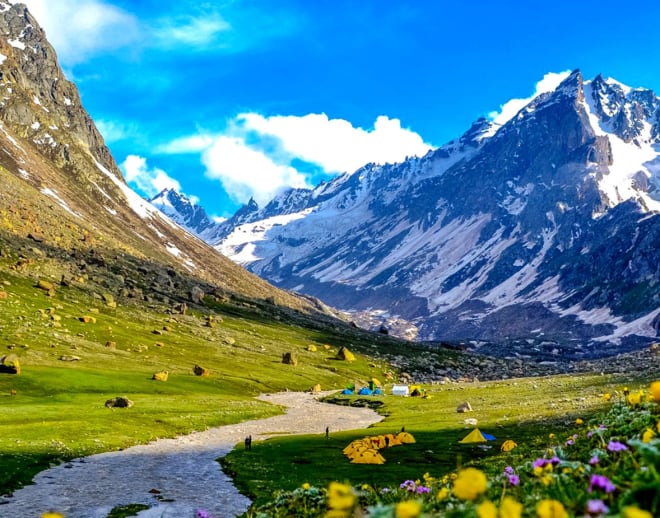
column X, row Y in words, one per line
column 201, row 513
column 570, row 442
column 385, row 490
column 602, row 427
column 555, row 460
column 514, row 480
column 423, row 489
column 594, row 460
column 409, row 485
column 597, row 508
column 540, row 463
column 616, row 446
column 590, row 434
column 508, row 470
column 601, row 482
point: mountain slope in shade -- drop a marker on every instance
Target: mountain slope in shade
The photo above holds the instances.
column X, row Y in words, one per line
column 547, row 226
column 63, row 190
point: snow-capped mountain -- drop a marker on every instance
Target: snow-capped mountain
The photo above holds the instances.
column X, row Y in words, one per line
column 548, row 225
column 183, row 211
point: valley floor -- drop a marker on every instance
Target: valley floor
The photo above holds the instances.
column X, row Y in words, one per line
column 175, row 476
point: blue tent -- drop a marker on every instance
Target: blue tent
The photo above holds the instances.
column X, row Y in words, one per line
column 347, row 392
column 378, row 392
column 364, row 391
column 488, row 436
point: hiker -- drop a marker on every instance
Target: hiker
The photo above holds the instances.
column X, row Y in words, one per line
column 327, row 432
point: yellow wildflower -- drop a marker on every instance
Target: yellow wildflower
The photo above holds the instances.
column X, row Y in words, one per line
column 365, row 487
column 409, row 509
column 648, row 435
column 635, row 512
column 443, row 493
column 340, row 496
column 655, row 390
column 607, row 396
column 510, row 508
column 487, row 510
column 550, row 509
column 579, row 421
column 552, row 436
column 538, row 471
column 470, row 483
column 634, row 398
column 306, row 486
column 546, row 480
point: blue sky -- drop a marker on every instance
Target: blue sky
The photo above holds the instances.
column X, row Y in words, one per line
column 227, row 100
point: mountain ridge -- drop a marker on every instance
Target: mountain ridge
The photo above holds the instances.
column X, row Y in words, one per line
column 485, row 237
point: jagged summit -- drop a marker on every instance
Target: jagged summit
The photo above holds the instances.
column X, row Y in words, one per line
column 183, row 211
column 545, row 226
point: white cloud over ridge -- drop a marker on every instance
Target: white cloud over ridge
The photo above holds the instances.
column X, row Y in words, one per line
column 148, row 181
column 80, row 28
column 255, row 155
column 507, row 111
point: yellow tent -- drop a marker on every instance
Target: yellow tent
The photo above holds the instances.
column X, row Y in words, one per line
column 370, row 456
column 474, row 436
column 405, row 438
column 508, row 445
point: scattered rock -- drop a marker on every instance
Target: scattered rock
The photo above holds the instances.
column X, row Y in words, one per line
column 167, row 329
column 289, row 359
column 69, row 358
column 197, row 295
column 160, row 376
column 345, row 355
column 87, row 319
column 311, row 348
column 157, row 332
column 200, row 371
column 10, row 364
column 3, row 295
column 464, row 407
column 108, row 298
column 159, row 344
column 316, row 388
column 111, row 345
column 119, row 402
column 45, row 285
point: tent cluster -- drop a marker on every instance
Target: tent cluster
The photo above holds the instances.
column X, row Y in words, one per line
column 372, row 389
column 366, row 451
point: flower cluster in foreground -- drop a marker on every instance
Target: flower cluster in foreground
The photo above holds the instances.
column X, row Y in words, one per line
column 608, row 468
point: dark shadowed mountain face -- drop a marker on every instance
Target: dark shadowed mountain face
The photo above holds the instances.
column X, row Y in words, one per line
column 545, row 227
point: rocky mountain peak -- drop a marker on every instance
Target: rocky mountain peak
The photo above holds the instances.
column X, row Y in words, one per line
column 38, row 100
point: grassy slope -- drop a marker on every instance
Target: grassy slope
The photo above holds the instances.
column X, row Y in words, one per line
column 58, row 410
column 524, row 410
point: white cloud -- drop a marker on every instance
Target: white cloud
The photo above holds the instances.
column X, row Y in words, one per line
column 116, row 131
column 199, row 31
column 245, row 172
column 255, row 155
column 80, row 28
column 508, row 110
column 335, row 144
column 148, row 181
column 183, row 145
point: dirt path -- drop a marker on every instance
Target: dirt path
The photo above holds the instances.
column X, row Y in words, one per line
column 184, row 469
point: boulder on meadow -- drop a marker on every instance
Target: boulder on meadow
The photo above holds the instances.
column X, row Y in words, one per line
column 160, row 376
column 45, row 285
column 111, row 345
column 10, row 364
column 289, row 359
column 87, row 319
column 69, row 358
column 316, row 389
column 198, row 370
column 119, row 402
column 311, row 348
column 3, row 295
column 345, row 355
column 197, row 295
column 464, row 407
